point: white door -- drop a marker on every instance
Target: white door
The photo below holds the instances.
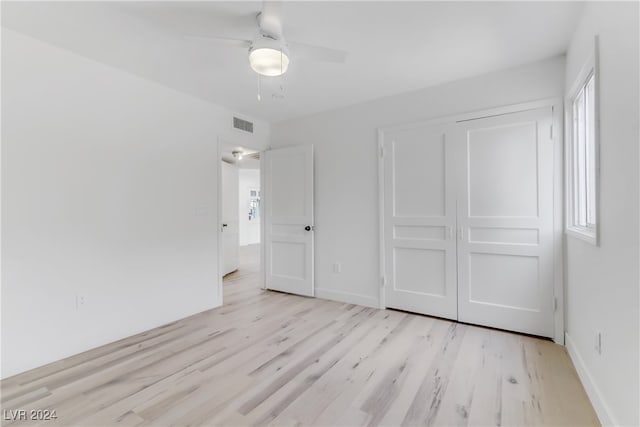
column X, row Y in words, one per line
column 230, row 218
column 289, row 223
column 505, row 222
column 419, row 219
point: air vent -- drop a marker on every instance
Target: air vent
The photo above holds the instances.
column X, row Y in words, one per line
column 242, row 125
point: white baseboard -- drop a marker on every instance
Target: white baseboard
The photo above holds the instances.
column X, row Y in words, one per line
column 597, row 400
column 347, row 297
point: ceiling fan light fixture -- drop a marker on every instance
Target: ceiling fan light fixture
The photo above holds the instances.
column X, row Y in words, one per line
column 268, row 61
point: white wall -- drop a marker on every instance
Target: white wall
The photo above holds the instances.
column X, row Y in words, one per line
column 249, row 230
column 346, row 174
column 109, row 191
column 602, row 282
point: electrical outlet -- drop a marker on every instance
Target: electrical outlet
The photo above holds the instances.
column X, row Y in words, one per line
column 80, row 300
column 337, row 268
column 598, row 343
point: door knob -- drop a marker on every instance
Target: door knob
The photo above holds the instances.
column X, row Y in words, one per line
column 308, row 228
column 224, row 225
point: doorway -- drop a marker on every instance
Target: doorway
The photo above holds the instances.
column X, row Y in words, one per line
column 241, row 217
column 266, row 241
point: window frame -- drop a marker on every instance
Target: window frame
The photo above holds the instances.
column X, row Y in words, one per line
column 588, row 232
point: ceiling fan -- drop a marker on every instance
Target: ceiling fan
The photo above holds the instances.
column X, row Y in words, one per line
column 269, row 52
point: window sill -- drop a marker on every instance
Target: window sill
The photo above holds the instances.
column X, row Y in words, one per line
column 588, row 235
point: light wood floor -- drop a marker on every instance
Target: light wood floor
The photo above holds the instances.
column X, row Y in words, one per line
column 271, row 358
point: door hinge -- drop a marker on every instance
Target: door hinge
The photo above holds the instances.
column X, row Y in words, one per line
column 555, row 304
column 381, row 151
column 382, row 281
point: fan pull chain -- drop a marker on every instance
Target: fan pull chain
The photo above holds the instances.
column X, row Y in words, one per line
column 259, row 88
column 281, row 76
column 278, row 92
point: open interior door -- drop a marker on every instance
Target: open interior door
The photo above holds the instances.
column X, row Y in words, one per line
column 230, row 220
column 289, row 229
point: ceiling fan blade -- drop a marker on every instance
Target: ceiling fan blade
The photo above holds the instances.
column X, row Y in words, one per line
column 198, row 17
column 223, row 40
column 317, row 53
column 270, row 19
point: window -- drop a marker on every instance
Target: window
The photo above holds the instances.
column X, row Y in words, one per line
column 582, row 156
column 254, row 204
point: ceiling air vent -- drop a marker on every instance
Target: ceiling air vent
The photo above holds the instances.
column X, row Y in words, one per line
column 242, row 125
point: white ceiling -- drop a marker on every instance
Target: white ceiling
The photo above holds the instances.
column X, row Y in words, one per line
column 393, row 47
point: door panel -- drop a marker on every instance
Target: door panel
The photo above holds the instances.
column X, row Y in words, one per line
column 418, row 159
column 287, row 191
column 230, row 219
column 412, row 263
column 505, row 222
column 288, row 212
column 419, row 217
column 504, row 280
column 502, row 171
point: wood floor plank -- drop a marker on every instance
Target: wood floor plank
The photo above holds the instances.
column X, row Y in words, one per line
column 269, row 358
column 426, row 402
column 463, row 388
column 332, row 387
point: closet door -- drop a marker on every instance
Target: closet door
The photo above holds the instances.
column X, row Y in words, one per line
column 419, row 219
column 505, row 222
